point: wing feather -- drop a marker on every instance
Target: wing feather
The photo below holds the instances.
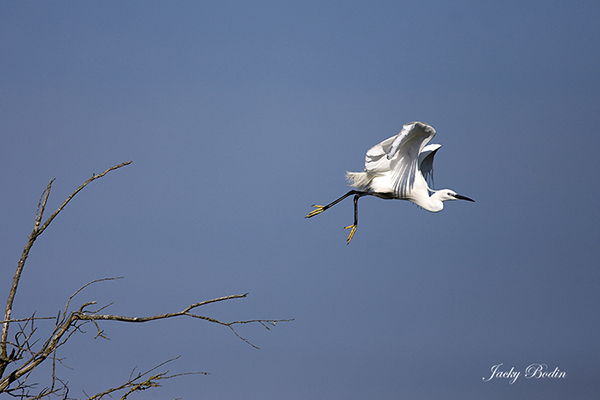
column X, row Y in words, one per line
column 426, row 161
column 393, row 165
column 375, row 160
column 404, row 155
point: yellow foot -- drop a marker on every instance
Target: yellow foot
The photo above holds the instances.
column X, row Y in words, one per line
column 319, row 210
column 352, row 232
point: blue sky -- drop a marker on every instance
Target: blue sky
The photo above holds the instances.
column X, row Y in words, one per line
column 240, row 115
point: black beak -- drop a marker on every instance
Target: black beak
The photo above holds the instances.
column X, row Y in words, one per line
column 458, row 196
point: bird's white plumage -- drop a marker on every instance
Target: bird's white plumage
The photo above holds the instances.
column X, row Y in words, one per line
column 392, row 165
column 398, row 168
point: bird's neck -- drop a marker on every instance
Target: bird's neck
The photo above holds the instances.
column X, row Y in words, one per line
column 430, row 203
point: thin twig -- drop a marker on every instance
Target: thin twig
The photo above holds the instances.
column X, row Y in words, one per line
column 80, row 188
column 151, row 381
column 86, row 285
column 26, row 319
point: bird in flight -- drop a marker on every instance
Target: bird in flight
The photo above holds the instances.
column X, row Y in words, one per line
column 398, row 168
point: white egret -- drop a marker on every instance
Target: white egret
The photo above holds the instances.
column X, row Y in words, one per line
column 398, row 168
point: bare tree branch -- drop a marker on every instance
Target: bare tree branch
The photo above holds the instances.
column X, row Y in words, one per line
column 185, row 312
column 27, row 352
column 76, row 319
column 38, row 229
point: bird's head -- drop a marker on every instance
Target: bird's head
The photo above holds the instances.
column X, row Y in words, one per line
column 447, row 194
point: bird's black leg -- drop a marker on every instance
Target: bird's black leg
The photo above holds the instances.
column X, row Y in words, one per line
column 320, row 209
column 355, row 225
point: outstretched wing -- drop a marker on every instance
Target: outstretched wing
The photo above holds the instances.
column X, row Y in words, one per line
column 426, row 161
column 376, row 161
column 403, row 155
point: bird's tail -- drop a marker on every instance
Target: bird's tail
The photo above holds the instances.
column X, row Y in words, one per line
column 360, row 180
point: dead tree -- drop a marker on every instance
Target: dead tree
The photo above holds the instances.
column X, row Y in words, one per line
column 26, row 350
